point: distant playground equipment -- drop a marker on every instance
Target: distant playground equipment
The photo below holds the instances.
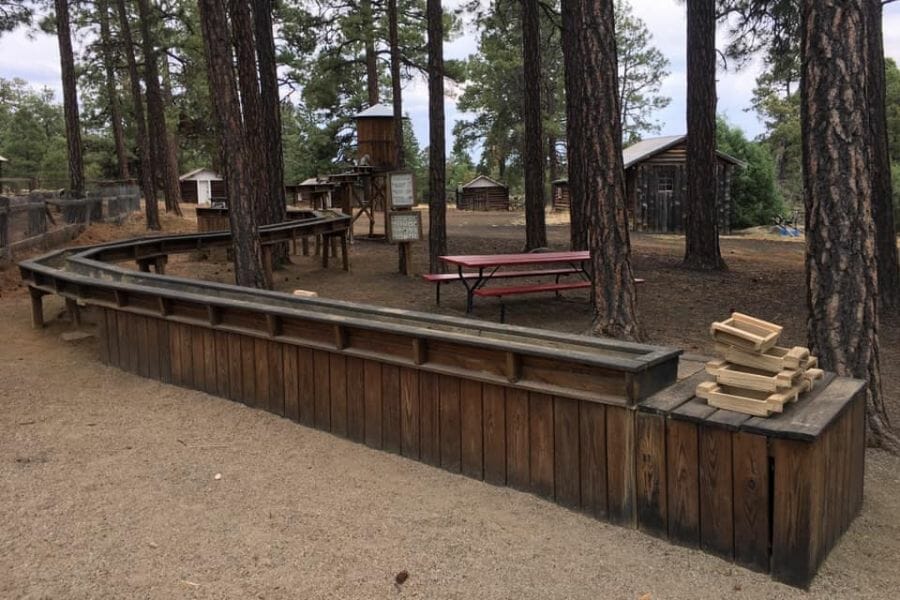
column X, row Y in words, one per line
column 787, row 226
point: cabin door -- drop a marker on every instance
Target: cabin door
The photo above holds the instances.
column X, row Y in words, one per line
column 665, row 196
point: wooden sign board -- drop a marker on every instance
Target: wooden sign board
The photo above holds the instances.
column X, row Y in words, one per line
column 401, row 189
column 404, row 226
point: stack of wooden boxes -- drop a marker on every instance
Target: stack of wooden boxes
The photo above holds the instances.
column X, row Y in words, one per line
column 755, row 376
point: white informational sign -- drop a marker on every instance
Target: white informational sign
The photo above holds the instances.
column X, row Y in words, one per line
column 402, row 189
column 404, row 226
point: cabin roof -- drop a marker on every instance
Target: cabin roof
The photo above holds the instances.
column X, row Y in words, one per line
column 646, row 149
column 377, row 111
column 482, row 181
column 191, row 175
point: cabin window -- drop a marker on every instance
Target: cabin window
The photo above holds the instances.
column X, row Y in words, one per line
column 665, row 183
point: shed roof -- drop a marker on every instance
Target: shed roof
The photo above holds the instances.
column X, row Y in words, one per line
column 192, row 174
column 645, row 149
column 482, row 181
column 377, row 110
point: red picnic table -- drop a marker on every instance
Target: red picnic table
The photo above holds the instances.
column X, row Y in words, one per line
column 485, row 267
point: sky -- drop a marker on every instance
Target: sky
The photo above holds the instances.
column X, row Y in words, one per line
column 36, row 60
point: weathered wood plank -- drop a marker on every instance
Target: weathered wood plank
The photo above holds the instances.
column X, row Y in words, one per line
column 165, row 354
column 541, row 444
column 306, row 379
column 409, row 413
column 716, row 492
column 683, row 482
column 429, row 419
column 356, row 399
column 651, row 489
column 517, row 439
column 373, row 404
column 620, row 482
column 566, row 454
column 276, row 378
column 198, row 365
column 223, row 378
column 448, row 390
column 338, row 389
column 209, row 362
column 472, row 430
column 153, row 346
column 103, row 334
column 670, row 398
column 235, row 368
column 494, row 422
column 291, row 379
column 390, row 408
column 112, row 332
column 322, row 377
column 592, row 452
column 248, row 371
column 751, row 501
column 261, row 352
column 141, row 344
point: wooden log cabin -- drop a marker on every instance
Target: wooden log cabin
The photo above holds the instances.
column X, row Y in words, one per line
column 656, row 185
column 482, row 193
column 201, row 186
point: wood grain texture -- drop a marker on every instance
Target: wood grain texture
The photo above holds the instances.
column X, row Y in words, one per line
column 306, row 379
column 472, row 429
column 683, row 482
column 541, row 445
column 165, row 356
column 210, row 360
column 248, row 371
column 620, row 481
column 429, row 419
column 198, row 367
column 390, row 407
column 716, row 492
column 409, row 413
column 276, row 399
column 103, row 334
column 494, row 424
column 651, row 491
column 517, row 439
column 112, row 326
column 291, row 378
column 751, row 501
column 235, row 368
column 322, row 378
column 372, row 372
column 223, row 377
column 566, row 454
column 451, row 457
column 356, row 399
column 261, row 364
column 338, row 393
column 592, row 453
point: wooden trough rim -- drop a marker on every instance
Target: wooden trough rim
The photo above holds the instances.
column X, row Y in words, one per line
column 77, row 266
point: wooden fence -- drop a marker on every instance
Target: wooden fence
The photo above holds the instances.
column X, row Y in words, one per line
column 592, row 424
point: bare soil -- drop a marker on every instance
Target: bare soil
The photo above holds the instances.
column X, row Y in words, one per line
column 109, row 489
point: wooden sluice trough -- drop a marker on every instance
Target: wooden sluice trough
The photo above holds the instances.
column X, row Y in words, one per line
column 591, row 424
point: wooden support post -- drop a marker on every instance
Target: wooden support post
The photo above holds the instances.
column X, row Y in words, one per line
column 160, row 264
column 37, row 308
column 325, row 245
column 74, row 312
column 144, row 265
column 304, row 244
column 345, row 256
column 405, row 250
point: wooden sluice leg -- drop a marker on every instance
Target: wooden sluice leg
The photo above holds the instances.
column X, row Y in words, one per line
column 37, row 308
column 344, row 255
column 74, row 312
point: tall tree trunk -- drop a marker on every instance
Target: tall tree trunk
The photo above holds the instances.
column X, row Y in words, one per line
column 701, row 224
column 151, row 208
column 394, row 43
column 270, row 107
column 437, row 159
column 882, row 189
column 533, row 151
column 248, row 86
column 112, row 92
column 159, row 142
column 841, row 273
column 596, row 172
column 248, row 266
column 70, row 100
column 368, row 21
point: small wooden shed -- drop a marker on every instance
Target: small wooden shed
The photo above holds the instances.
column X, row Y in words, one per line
column 656, row 185
column 482, row 193
column 375, row 139
column 201, row 185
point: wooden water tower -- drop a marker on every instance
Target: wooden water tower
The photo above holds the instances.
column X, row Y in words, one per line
column 375, row 137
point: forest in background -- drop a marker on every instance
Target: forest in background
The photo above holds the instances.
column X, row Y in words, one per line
column 321, row 49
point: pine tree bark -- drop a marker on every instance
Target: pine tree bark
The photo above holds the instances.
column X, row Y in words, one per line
column 396, row 87
column 156, row 113
column 112, row 92
column 701, row 224
column 532, row 152
column 882, row 187
column 368, row 20
column 70, row 100
column 596, row 172
column 841, row 273
column 437, row 159
column 151, row 208
column 247, row 251
column 270, row 107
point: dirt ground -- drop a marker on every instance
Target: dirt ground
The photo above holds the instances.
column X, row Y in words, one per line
column 109, row 489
